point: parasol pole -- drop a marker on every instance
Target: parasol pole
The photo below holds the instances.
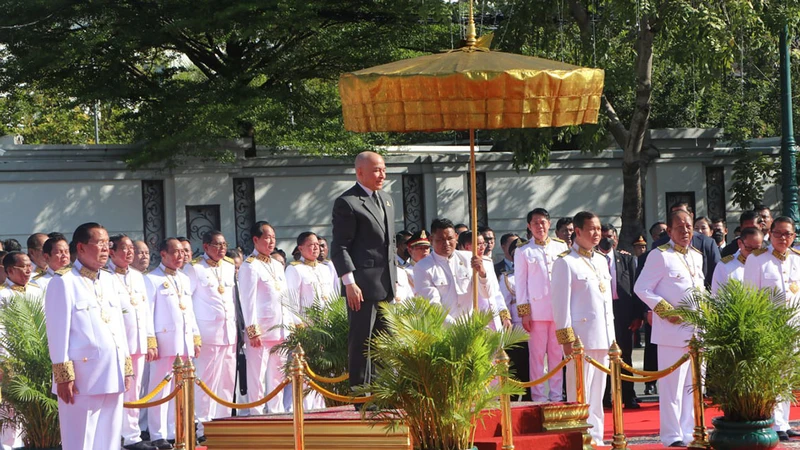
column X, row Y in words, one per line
column 473, row 195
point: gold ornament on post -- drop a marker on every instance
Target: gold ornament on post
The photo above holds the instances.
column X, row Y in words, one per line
column 467, row 89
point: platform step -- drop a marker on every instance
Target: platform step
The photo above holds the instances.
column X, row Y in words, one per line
column 572, row 440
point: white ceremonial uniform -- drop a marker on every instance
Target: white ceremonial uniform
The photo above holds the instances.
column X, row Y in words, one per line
column 668, row 276
column 766, row 268
column 509, row 291
column 583, row 308
column 85, row 333
column 533, row 264
column 400, row 262
column 176, row 334
column 336, row 285
column 211, row 284
column 496, row 302
column 448, row 282
column 309, row 283
column 11, row 289
column 132, row 293
column 263, row 294
column 43, row 278
column 403, row 290
column 730, row 267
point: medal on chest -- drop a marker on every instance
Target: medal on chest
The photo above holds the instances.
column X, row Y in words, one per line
column 221, row 289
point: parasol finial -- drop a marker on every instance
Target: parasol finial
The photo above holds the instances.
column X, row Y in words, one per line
column 471, row 34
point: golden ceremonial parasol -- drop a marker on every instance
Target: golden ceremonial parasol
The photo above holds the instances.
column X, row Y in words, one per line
column 467, row 89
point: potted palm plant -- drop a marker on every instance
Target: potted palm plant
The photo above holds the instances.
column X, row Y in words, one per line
column 27, row 376
column 437, row 378
column 750, row 341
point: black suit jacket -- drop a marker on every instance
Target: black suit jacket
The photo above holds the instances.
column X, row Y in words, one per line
column 707, row 246
column 628, row 306
column 364, row 244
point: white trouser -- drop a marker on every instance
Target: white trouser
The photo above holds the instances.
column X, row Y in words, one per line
column 675, row 397
column 262, row 361
column 161, row 419
column 543, row 341
column 216, row 367
column 131, row 433
column 781, row 416
column 594, row 385
column 93, row 422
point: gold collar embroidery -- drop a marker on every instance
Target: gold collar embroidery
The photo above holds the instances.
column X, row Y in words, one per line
column 90, row 274
column 212, row 263
column 263, row 258
column 780, row 256
column 169, row 271
column 542, row 243
column 120, row 270
column 586, row 253
column 741, row 258
column 17, row 288
column 680, row 249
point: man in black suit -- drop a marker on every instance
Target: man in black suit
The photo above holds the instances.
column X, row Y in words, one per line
column 748, row 219
column 507, row 263
column 363, row 252
column 628, row 309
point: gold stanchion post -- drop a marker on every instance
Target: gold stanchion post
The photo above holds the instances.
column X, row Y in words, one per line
column 577, row 353
column 180, row 403
column 297, row 397
column 700, row 435
column 505, row 402
column 615, row 357
column 188, row 385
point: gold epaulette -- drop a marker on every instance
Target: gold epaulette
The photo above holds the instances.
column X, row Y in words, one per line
column 63, row 270
column 565, row 335
column 698, row 251
column 296, row 263
column 33, row 285
column 795, row 250
column 557, row 240
column 106, row 269
column 727, row 259
column 228, row 259
column 521, row 242
column 197, row 260
column 759, row 251
column 250, row 259
column 563, row 254
column 38, row 275
column 664, row 247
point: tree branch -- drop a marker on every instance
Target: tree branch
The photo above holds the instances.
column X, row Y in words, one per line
column 615, row 125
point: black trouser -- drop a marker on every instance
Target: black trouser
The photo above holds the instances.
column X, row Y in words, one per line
column 650, row 352
column 624, row 338
column 520, row 366
column 364, row 324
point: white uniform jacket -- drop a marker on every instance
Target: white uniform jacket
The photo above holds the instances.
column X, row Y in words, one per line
column 667, row 278
column 582, row 301
column 449, row 283
column 533, row 265
column 212, row 286
column 264, row 297
column 132, row 293
column 309, row 283
column 509, row 291
column 765, row 268
column 10, row 289
column 42, row 279
column 86, row 333
column 730, row 267
column 173, row 314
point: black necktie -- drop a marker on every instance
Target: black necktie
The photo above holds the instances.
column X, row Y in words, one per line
column 378, row 205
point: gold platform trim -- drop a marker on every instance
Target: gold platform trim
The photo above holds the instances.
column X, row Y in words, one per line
column 568, row 417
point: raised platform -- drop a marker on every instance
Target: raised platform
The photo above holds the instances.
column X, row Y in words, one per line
column 540, row 426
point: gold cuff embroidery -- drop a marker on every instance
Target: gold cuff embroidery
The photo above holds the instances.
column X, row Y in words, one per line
column 565, row 335
column 63, row 372
column 197, row 341
column 524, row 309
column 128, row 367
column 152, row 342
column 253, row 331
column 662, row 307
column 505, row 315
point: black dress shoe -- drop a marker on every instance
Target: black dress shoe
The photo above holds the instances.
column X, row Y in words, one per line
column 201, row 439
column 792, row 433
column 633, row 404
column 783, row 436
column 161, row 444
column 607, row 405
column 141, row 445
column 678, row 444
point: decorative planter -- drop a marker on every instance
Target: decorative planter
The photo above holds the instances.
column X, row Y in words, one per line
column 750, row 435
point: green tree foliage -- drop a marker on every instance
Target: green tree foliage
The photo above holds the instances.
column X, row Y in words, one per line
column 202, row 70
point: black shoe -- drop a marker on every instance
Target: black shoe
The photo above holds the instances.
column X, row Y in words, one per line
column 161, row 444
column 678, row 444
column 201, row 439
column 783, row 436
column 607, row 405
column 633, row 404
column 792, row 433
column 141, row 445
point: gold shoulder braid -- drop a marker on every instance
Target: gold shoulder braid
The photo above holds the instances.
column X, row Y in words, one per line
column 565, row 335
column 741, row 258
column 63, row 372
column 253, row 331
column 565, row 253
column 228, row 259
column 664, row 247
column 662, row 307
column 727, row 259
column 758, row 251
column 521, row 242
column 250, row 259
column 524, row 309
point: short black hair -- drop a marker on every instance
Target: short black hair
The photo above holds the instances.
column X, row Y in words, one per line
column 209, row 236
column 562, row 222
column 460, row 225
column 655, row 225
column 116, row 239
column 698, row 219
column 12, row 245
column 302, row 237
column 782, row 219
column 257, row 229
column 750, row 231
column 31, row 243
column 464, row 238
column 51, row 242
column 682, row 204
column 582, row 217
column 10, row 260
column 280, row 252
column 234, row 253
column 608, row 227
column 674, row 214
column 504, row 238
column 441, row 224
column 760, row 208
column 164, row 245
column 83, row 233
column 719, row 220
column 55, row 234
column 183, row 239
column 484, row 229
column 749, row 215
column 537, row 212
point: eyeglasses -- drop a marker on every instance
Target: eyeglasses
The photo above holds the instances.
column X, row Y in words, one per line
column 25, row 267
column 786, row 235
column 101, row 244
column 218, row 245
